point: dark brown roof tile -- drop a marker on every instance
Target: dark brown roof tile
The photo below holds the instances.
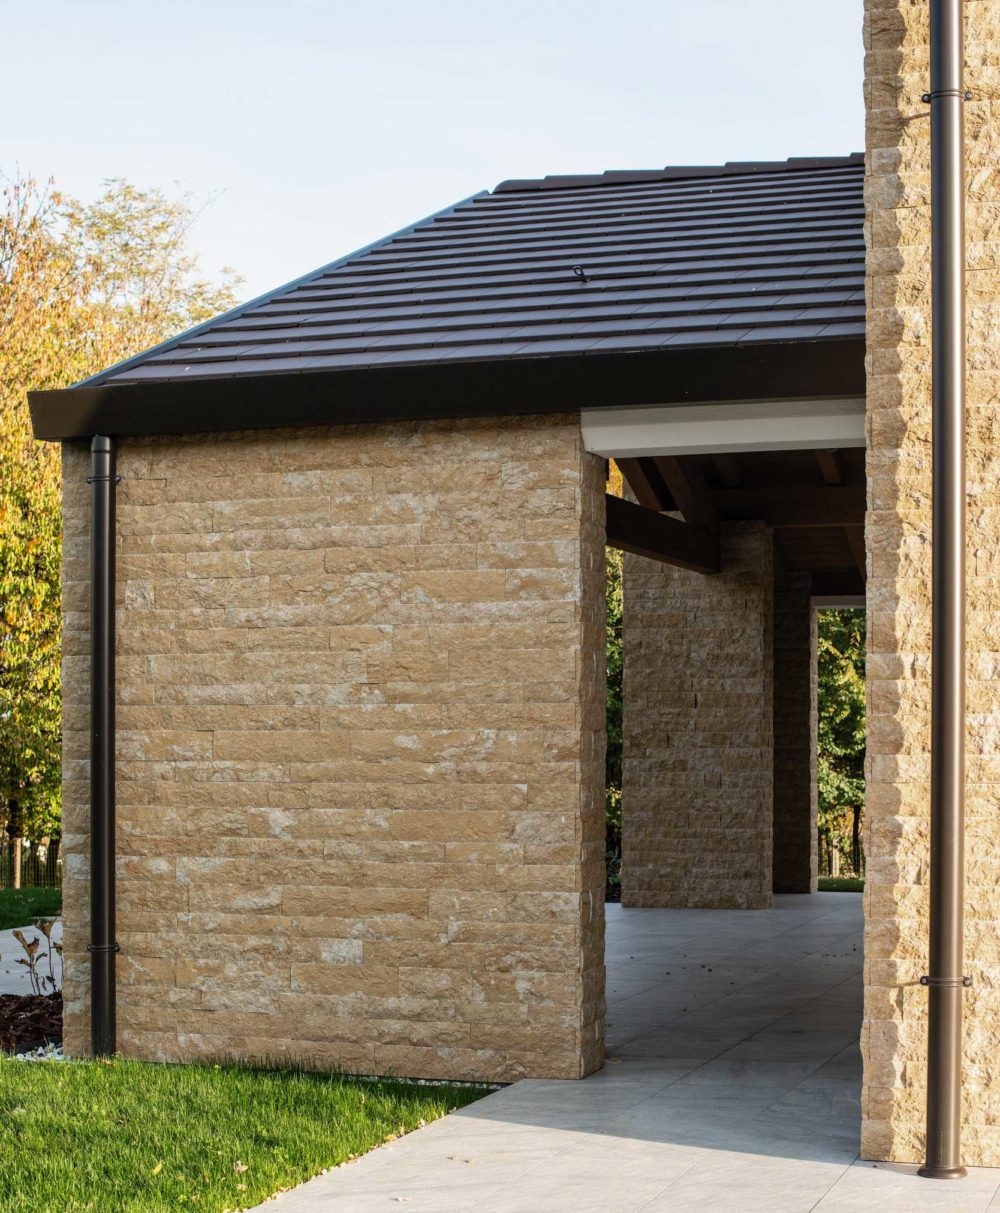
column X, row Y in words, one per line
column 735, row 254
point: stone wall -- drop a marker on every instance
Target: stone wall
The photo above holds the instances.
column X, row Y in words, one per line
column 899, row 555
column 697, row 754
column 360, row 749
column 795, row 726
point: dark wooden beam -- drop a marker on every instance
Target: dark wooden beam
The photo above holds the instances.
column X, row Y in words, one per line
column 691, row 494
column 830, row 467
column 728, row 469
column 855, row 536
column 831, row 582
column 632, row 528
column 795, row 507
column 780, row 568
column 645, row 490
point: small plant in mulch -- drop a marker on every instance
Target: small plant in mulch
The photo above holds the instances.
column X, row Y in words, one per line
column 28, row 1021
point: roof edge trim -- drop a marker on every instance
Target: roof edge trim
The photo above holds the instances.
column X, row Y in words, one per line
column 434, row 391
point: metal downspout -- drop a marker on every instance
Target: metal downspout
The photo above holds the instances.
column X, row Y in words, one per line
column 102, row 946
column 945, row 979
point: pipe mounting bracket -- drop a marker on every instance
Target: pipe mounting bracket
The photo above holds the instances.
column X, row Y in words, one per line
column 965, row 95
column 946, row 982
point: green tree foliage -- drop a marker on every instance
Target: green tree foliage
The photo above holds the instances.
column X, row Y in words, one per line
column 81, row 287
column 841, row 774
column 615, row 665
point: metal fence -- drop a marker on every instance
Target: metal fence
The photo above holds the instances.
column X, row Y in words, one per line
column 40, row 865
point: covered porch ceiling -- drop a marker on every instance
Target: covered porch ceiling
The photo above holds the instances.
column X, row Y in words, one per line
column 814, row 500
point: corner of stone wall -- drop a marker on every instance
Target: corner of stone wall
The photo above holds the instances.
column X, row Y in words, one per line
column 898, row 536
column 593, row 708
column 76, row 740
column 360, row 748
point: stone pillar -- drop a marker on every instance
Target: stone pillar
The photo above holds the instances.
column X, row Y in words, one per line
column 795, row 725
column 899, row 608
column 697, row 758
column 360, row 748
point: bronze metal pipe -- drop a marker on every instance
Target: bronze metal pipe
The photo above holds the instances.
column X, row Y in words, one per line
column 102, row 945
column 945, row 980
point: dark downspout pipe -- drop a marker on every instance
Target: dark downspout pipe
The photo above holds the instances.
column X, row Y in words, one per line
column 945, row 979
column 102, row 747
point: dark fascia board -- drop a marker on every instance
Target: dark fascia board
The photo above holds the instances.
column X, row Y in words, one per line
column 566, row 383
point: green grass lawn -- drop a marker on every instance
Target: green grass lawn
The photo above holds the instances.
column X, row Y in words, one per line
column 125, row 1136
column 841, row 884
column 20, row 907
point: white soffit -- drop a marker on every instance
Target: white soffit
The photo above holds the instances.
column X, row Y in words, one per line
column 740, row 425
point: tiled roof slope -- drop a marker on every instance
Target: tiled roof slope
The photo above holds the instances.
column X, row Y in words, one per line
column 623, row 262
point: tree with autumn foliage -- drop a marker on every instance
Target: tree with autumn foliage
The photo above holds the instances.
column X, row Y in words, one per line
column 615, row 657
column 82, row 286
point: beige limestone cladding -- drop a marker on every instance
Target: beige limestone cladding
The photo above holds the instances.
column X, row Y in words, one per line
column 899, row 567
column 697, row 728
column 360, row 748
column 795, row 726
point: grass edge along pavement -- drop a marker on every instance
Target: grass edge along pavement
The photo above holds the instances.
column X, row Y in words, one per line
column 135, row 1136
column 841, row 884
column 22, row 907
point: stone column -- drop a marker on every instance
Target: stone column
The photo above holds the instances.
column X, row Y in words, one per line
column 894, row 1035
column 697, row 765
column 795, row 723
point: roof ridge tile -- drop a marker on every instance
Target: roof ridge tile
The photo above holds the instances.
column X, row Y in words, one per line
column 677, row 173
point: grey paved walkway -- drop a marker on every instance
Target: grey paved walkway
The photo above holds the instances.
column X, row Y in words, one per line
column 732, row 1084
column 14, row 978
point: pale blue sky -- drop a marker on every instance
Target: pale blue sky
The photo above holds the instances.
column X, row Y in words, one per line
column 323, row 125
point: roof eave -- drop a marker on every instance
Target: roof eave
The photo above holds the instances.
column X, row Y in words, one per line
column 440, row 390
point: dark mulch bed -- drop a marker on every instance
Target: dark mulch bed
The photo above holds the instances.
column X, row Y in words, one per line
column 29, row 1020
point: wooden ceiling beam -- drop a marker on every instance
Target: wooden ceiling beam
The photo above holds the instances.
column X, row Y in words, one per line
column 830, row 467
column 796, row 507
column 855, row 536
column 832, row 582
column 690, row 492
column 780, row 568
column 632, row 528
column 729, row 470
column 644, row 489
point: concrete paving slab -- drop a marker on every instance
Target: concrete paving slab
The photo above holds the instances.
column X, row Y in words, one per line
column 733, row 1083
column 881, row 1187
column 14, row 978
